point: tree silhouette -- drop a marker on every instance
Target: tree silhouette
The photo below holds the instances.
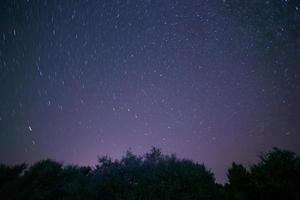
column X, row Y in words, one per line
column 9, row 179
column 239, row 182
column 275, row 176
column 153, row 176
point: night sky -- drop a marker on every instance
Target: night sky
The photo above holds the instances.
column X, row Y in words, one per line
column 210, row 80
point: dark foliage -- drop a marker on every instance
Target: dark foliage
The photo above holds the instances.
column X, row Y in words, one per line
column 275, row 176
column 152, row 176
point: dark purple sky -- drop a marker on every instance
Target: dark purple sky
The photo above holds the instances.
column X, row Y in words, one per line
column 210, row 80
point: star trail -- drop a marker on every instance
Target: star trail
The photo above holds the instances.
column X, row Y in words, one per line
column 212, row 81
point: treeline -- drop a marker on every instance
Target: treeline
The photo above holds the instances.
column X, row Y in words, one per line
column 153, row 176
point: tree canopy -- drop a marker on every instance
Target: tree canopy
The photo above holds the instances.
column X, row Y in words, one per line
column 152, row 176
